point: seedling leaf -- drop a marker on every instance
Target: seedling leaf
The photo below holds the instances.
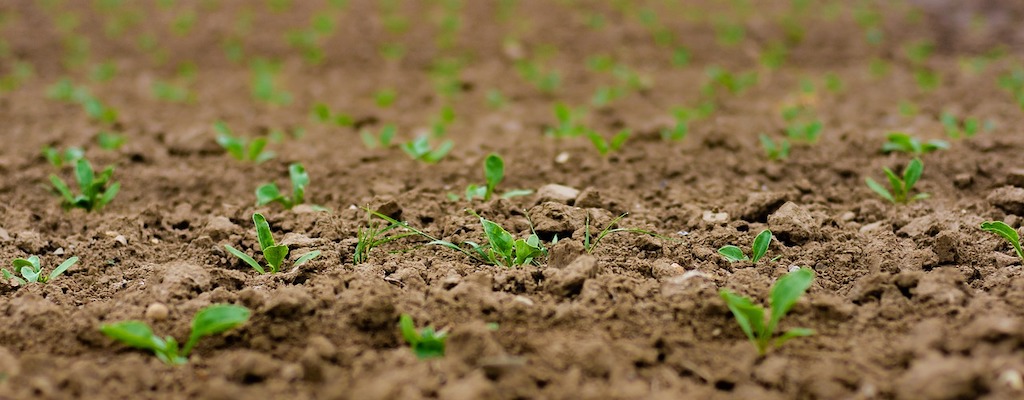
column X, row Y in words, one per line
column 1006, row 232
column 213, row 320
column 761, row 243
column 732, row 253
column 245, row 257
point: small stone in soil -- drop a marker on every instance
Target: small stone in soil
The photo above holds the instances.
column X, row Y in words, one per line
column 157, row 312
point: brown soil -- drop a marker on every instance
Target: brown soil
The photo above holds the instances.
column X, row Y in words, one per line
column 910, row 302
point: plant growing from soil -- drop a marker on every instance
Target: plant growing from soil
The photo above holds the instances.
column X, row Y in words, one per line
column 239, row 148
column 273, row 253
column 607, row 146
column 590, row 242
column 97, row 190
column 110, row 141
column 419, row 149
column 902, row 142
column 385, row 98
column 901, row 187
column 784, row 294
column 494, row 173
column 757, row 251
column 722, row 78
column 211, row 320
column 1006, row 232
column 801, row 125
column 775, row 150
column 323, row 114
column 59, row 159
column 377, row 233
column 381, row 140
column 502, row 248
column 959, row 129
column 568, row 122
column 426, row 343
column 269, row 192
column 683, row 116
column 264, row 85
column 31, row 272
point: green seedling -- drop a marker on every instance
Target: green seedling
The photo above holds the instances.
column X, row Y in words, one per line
column 775, row 150
column 902, row 142
column 751, row 317
column 684, row 116
column 608, row 146
column 269, row 193
column 385, row 98
column 957, row 129
column 1002, row 229
column 264, row 84
column 502, row 248
column 419, row 149
column 110, row 141
column 425, row 343
column 59, row 159
column 211, row 320
column 901, row 187
column 801, row 125
column 31, row 272
column 569, row 122
column 377, row 233
column 1013, row 82
column 734, row 83
column 547, row 82
column 380, row 140
column 757, row 251
column 323, row 114
column 273, row 253
column 97, row 190
column 590, row 241
column 494, row 173
column 239, row 148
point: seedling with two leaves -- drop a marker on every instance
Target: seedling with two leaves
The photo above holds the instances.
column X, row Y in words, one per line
column 1006, row 232
column 270, row 193
column 902, row 142
column 273, row 253
column 31, row 272
column 757, row 251
column 239, row 148
column 494, row 173
column 110, row 141
column 959, row 129
column 322, row 113
column 802, row 125
column 751, row 317
column 608, row 146
column 421, row 150
column 381, row 140
column 59, row 159
column 901, row 187
column 97, row 190
column 775, row 150
column 569, row 122
column 426, row 343
column 211, row 320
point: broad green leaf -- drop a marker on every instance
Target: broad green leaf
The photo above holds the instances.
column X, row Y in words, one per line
column 475, row 192
column 761, row 243
column 786, row 292
column 61, row 268
column 898, row 188
column 494, row 172
column 245, row 257
column 1002, row 229
column 135, row 334
column 408, row 329
column 306, row 257
column 275, row 255
column 213, row 320
column 31, row 262
column 256, row 147
column 263, row 231
column 877, row 188
column 732, row 253
column 300, row 179
column 109, row 195
column 84, row 173
column 912, row 174
column 267, row 194
column 748, row 315
column 30, row 274
column 499, row 239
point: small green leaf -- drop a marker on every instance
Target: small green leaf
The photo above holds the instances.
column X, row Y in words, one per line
column 748, row 315
column 494, row 172
column 499, row 239
column 881, row 191
column 135, row 334
column 1006, row 232
column 275, row 255
column 300, row 179
column 61, row 268
column 263, row 231
column 732, row 253
column 786, row 292
column 912, row 174
column 245, row 257
column 213, row 320
column 761, row 243
column 791, row 334
column 267, row 194
column 307, row 257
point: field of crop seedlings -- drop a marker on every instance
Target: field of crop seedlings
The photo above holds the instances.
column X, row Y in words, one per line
column 511, row 199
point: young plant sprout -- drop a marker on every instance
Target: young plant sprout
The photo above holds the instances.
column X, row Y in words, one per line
column 97, row 190
column 239, row 148
column 901, row 187
column 902, row 142
column 376, row 234
column 269, row 192
column 494, row 173
column 502, row 248
column 590, row 242
column 381, row 140
column 31, row 272
column 273, row 253
column 568, row 122
column 775, row 150
column 757, row 251
column 426, row 343
column 801, row 125
column 419, row 149
column 784, row 295
column 110, row 141
column 608, row 146
column 264, row 85
column 385, row 98
column 211, row 320
column 1002, row 229
column 59, row 159
column 957, row 129
column 323, row 114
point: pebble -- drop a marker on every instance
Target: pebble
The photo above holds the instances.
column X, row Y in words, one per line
column 715, row 218
column 562, row 158
column 557, row 193
column 157, row 312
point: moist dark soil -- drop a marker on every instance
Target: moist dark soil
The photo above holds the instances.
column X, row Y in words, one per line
column 909, row 301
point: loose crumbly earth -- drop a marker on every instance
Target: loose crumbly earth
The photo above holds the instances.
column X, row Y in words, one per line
column 910, row 302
